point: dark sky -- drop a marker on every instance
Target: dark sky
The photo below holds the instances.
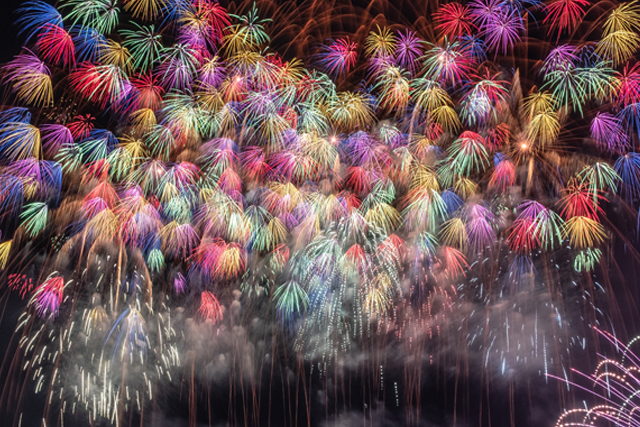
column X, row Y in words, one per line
column 10, row 42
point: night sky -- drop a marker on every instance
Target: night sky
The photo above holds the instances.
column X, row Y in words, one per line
column 9, row 38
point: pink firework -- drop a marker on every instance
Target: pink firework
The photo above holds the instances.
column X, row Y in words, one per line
column 48, row 297
column 56, row 45
column 210, row 307
column 340, row 56
column 454, row 20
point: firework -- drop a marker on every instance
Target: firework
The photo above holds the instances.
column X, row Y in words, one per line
column 178, row 186
column 615, row 385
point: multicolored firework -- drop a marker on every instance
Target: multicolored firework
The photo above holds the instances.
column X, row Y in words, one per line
column 180, row 196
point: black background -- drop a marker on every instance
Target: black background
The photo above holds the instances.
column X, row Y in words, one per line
column 10, row 42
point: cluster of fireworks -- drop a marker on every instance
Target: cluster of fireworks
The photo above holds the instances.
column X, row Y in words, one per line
column 181, row 197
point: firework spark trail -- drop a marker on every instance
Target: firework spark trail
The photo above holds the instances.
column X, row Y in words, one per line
column 615, row 387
